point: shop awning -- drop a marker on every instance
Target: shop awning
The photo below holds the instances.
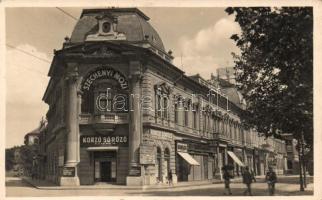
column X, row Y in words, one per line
column 102, row 148
column 235, row 158
column 188, row 158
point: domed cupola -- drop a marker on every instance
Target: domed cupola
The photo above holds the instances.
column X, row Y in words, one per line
column 121, row 24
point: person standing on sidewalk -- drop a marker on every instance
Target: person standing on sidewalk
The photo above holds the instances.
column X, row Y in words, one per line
column 271, row 179
column 226, row 177
column 253, row 175
column 247, row 180
column 170, row 177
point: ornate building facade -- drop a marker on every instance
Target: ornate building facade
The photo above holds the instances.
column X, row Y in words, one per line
column 120, row 111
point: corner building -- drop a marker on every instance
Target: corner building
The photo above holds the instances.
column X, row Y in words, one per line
column 121, row 112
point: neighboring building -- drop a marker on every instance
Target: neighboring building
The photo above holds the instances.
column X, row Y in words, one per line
column 227, row 74
column 292, row 154
column 108, row 88
column 32, row 137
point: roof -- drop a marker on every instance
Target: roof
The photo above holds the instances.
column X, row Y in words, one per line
column 234, row 96
column 38, row 130
column 130, row 21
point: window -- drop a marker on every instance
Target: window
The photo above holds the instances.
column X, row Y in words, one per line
column 194, row 121
column 176, row 114
column 159, row 105
column 106, row 27
column 289, row 164
column 186, row 116
column 36, row 141
column 165, row 108
column 104, row 96
column 204, row 121
column 208, row 123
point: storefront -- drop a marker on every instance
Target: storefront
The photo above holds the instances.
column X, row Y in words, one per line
column 195, row 161
column 103, row 159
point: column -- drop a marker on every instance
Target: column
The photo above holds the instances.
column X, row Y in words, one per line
column 69, row 175
column 245, row 158
column 134, row 173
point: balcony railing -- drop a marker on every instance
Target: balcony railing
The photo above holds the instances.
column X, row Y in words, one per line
column 112, row 118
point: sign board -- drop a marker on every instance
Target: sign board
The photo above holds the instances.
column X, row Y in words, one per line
column 104, row 73
column 147, row 155
column 69, row 171
column 201, row 147
column 99, row 140
column 181, row 147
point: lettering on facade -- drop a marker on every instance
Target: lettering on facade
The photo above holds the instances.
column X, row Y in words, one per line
column 161, row 135
column 147, row 155
column 98, row 140
column 69, row 171
column 182, row 147
column 106, row 73
column 201, row 147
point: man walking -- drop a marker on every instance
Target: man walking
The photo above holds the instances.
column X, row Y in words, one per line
column 227, row 176
column 271, row 180
column 247, row 180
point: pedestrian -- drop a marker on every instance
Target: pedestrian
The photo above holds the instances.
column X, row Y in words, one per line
column 247, row 180
column 170, row 177
column 271, row 179
column 226, row 176
column 253, row 175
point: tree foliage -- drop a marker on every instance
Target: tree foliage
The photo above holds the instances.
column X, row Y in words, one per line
column 21, row 156
column 274, row 69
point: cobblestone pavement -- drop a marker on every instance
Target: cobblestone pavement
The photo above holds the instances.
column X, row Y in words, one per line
column 15, row 187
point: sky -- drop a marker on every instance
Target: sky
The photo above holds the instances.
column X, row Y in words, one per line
column 198, row 37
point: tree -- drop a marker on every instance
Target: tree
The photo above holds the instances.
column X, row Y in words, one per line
column 274, row 69
column 9, row 159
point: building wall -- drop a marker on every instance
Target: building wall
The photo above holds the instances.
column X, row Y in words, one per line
column 162, row 128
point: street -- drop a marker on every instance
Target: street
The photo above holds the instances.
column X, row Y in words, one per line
column 15, row 187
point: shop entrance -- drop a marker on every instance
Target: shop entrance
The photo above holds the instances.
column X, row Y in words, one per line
column 106, row 171
column 105, row 166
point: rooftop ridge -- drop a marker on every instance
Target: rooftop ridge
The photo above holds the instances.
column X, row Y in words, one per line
column 113, row 9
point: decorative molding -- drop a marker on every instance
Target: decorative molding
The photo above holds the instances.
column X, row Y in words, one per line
column 107, row 29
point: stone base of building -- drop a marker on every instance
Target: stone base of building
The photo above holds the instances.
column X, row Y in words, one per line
column 69, row 181
column 134, row 181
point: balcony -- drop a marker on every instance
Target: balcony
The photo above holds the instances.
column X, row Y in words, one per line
column 109, row 118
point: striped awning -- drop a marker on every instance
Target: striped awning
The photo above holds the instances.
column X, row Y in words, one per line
column 235, row 158
column 188, row 158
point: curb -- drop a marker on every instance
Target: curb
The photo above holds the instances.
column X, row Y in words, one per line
column 153, row 187
column 147, row 187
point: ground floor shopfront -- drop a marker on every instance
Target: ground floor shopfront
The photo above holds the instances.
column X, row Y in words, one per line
column 104, row 158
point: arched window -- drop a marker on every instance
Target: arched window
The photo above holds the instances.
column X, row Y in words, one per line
column 105, row 95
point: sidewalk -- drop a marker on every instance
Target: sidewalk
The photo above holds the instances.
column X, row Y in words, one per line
column 47, row 185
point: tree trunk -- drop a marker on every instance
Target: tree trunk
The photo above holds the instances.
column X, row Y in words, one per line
column 300, row 165
column 303, row 159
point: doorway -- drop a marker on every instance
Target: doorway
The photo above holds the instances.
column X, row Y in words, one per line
column 105, row 171
column 105, row 166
